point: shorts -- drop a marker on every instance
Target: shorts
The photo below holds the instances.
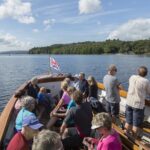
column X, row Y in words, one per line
column 134, row 116
column 112, row 108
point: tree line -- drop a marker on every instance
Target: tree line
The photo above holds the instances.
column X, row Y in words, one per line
column 108, row 47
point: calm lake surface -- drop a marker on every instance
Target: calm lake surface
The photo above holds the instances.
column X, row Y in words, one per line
column 16, row 69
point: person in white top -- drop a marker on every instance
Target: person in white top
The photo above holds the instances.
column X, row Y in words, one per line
column 139, row 88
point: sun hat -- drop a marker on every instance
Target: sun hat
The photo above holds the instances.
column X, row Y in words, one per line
column 101, row 120
column 32, row 122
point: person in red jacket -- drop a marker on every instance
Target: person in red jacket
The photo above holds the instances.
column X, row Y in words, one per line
column 30, row 128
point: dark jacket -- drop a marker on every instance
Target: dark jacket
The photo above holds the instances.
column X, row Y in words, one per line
column 84, row 87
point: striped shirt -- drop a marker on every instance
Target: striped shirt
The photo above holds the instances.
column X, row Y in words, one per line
column 139, row 88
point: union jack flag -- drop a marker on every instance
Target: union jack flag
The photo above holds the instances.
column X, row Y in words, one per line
column 54, row 64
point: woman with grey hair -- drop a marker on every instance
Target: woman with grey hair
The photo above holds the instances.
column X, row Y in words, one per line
column 47, row 140
column 33, row 88
column 28, row 105
column 109, row 137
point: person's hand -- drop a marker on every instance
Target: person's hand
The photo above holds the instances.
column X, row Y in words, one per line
column 52, row 114
column 88, row 141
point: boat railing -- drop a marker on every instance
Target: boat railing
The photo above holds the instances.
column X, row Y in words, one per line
column 122, row 93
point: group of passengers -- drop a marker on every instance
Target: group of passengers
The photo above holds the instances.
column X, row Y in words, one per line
column 80, row 117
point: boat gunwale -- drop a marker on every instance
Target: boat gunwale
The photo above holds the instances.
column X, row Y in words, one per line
column 122, row 93
column 7, row 113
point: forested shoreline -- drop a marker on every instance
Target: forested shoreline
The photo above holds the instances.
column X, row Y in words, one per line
column 107, row 47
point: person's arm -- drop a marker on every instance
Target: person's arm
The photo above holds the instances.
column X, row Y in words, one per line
column 90, row 142
column 61, row 102
column 62, row 128
column 120, row 87
column 68, row 117
column 63, row 113
column 148, row 88
column 59, row 114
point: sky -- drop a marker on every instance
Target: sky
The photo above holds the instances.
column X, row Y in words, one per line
column 25, row 24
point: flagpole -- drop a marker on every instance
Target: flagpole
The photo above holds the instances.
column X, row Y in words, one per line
column 50, row 71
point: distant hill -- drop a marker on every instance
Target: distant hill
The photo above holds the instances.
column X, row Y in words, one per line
column 14, row 52
column 89, row 47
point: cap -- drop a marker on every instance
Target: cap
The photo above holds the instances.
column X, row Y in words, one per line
column 96, row 125
column 32, row 122
column 101, row 120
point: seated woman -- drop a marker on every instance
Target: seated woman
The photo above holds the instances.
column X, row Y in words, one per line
column 28, row 105
column 71, row 104
column 97, row 107
column 109, row 139
column 33, row 88
column 68, row 81
column 45, row 102
column 93, row 89
column 64, row 101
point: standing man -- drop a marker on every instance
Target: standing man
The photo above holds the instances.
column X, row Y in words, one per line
column 139, row 88
column 83, row 85
column 112, row 86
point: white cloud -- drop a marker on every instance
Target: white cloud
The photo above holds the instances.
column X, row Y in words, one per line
column 18, row 10
column 35, row 30
column 132, row 30
column 89, row 6
column 8, row 41
column 84, row 18
column 48, row 23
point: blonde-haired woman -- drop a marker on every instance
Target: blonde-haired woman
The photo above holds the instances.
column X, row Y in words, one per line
column 71, row 104
column 93, row 89
column 64, row 101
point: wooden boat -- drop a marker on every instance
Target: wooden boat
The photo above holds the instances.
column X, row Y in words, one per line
column 7, row 117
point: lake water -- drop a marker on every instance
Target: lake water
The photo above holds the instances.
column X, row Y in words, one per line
column 16, row 69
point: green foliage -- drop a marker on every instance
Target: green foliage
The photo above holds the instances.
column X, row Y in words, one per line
column 108, row 46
